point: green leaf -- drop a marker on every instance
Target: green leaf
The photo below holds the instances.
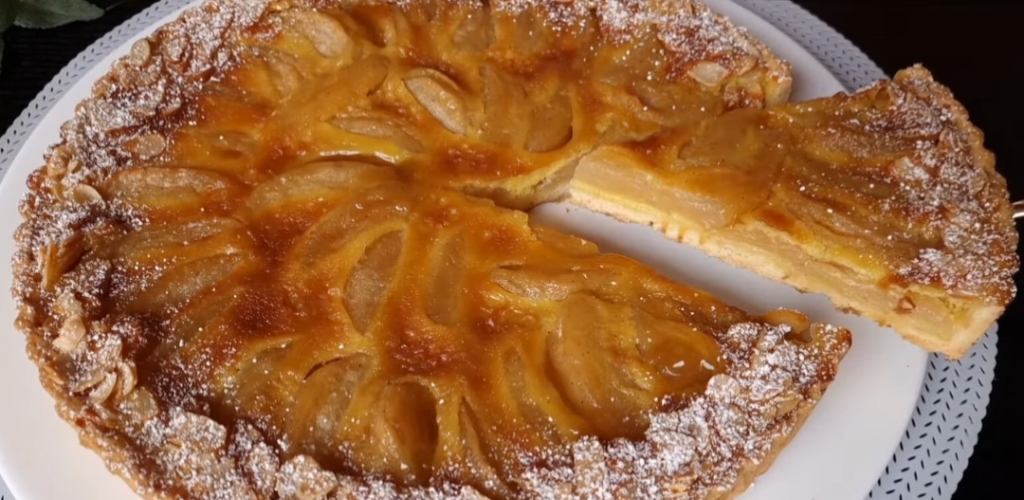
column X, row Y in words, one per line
column 8, row 10
column 52, row 13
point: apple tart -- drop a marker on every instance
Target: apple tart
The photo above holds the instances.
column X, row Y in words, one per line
column 280, row 253
column 885, row 200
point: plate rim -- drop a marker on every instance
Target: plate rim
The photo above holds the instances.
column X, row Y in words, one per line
column 151, row 18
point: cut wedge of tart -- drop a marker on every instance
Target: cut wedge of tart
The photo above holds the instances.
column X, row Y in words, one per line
column 884, row 200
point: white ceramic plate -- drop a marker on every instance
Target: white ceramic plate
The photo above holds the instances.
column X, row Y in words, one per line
column 839, row 454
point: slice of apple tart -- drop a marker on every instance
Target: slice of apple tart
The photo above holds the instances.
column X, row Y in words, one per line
column 885, row 200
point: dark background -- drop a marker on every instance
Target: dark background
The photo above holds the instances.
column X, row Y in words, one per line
column 974, row 47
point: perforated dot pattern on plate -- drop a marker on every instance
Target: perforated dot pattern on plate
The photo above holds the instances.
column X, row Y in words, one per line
column 944, row 428
column 940, row 439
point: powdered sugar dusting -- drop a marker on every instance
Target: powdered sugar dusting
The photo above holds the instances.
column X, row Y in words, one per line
column 689, row 30
column 950, row 188
column 128, row 103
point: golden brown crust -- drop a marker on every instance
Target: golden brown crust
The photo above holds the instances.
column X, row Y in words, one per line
column 87, row 357
column 981, row 239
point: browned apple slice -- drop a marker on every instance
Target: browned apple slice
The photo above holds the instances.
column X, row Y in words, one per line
column 397, row 433
column 441, row 97
column 371, row 278
column 173, row 193
column 380, row 127
column 505, row 107
column 597, row 367
column 320, row 31
column 319, row 414
column 551, row 126
column 450, row 271
column 303, row 194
